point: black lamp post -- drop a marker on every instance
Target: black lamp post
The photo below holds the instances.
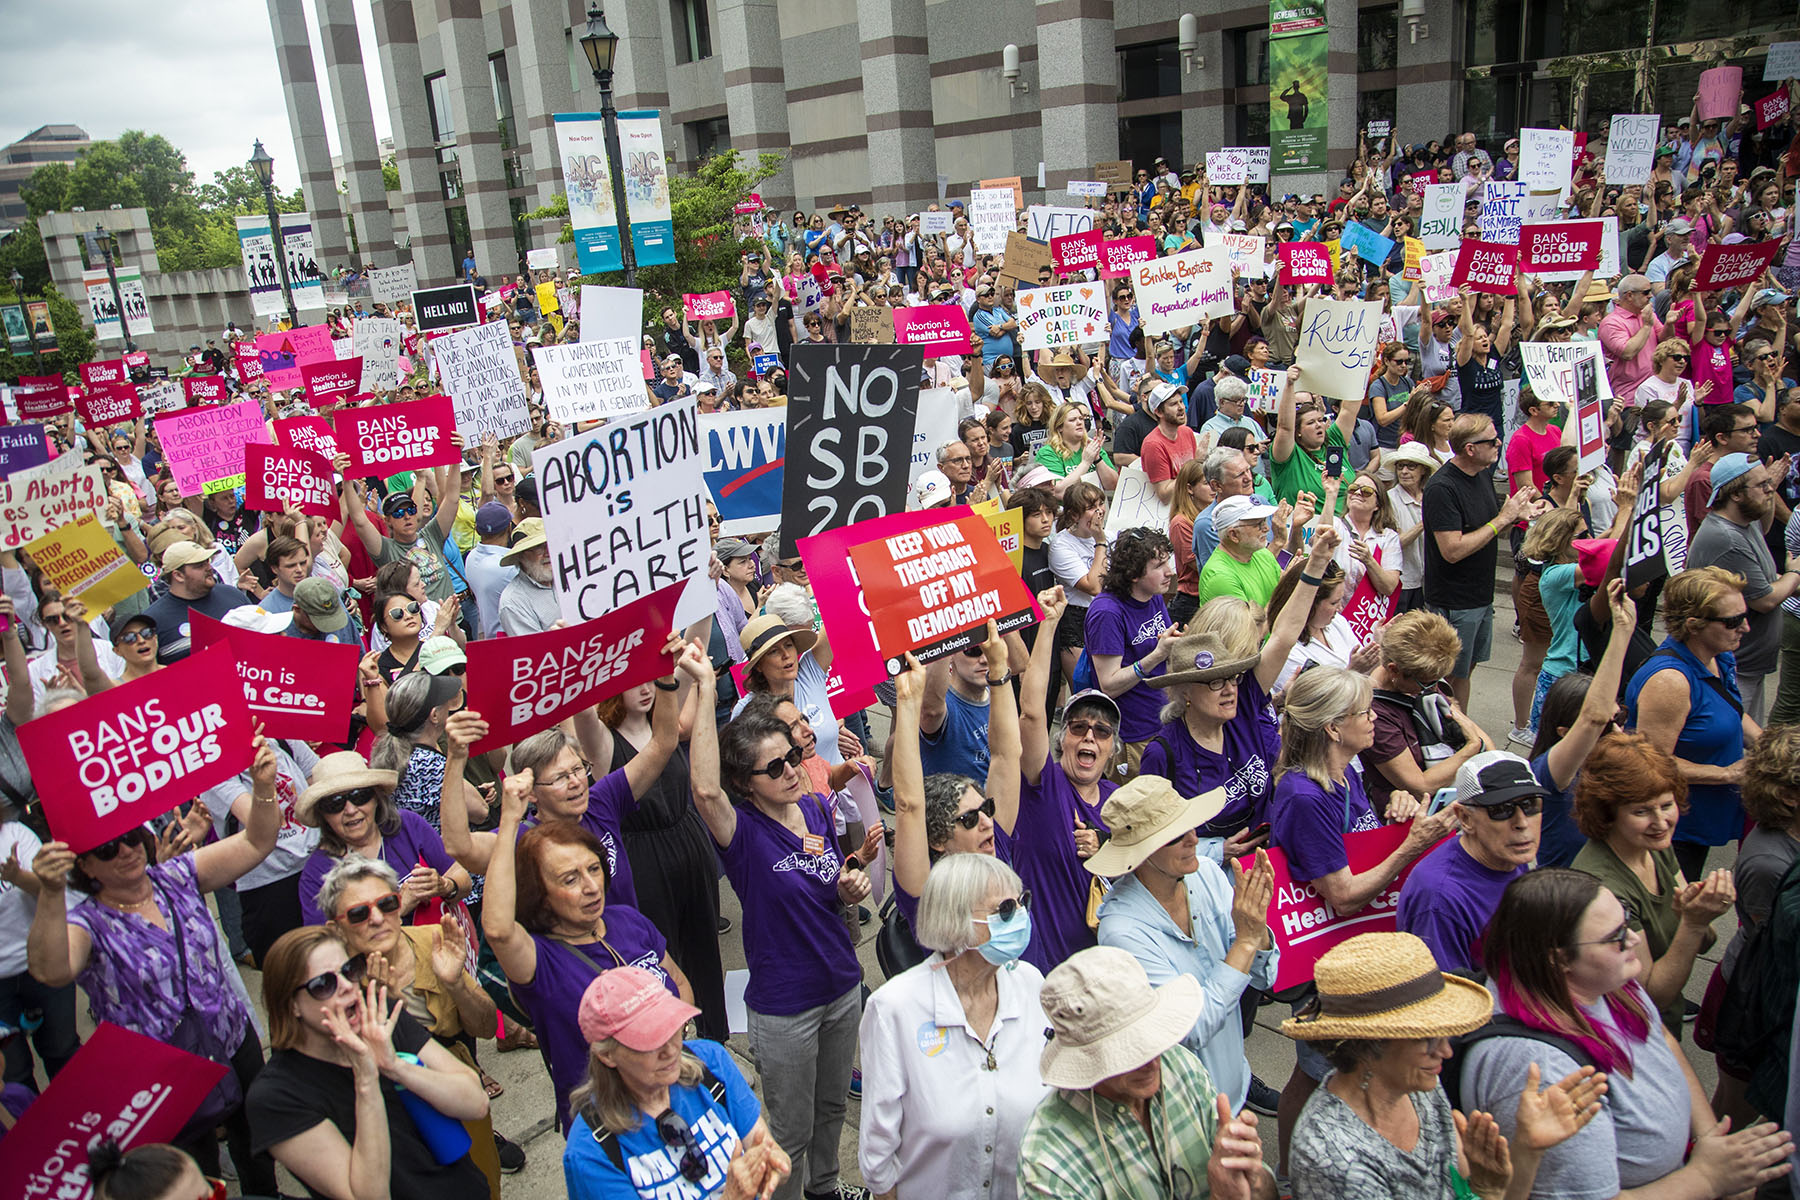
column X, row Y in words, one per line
column 601, row 44
column 18, row 282
column 263, row 163
column 107, row 244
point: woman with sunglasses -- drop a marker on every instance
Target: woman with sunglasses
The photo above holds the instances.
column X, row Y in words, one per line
column 1627, row 803
column 779, row 846
column 657, row 1109
column 336, row 1103
column 1565, row 959
column 147, row 952
column 73, row 659
column 352, row 805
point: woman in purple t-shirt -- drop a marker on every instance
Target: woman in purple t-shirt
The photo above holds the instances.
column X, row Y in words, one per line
column 780, row 848
column 1128, row 630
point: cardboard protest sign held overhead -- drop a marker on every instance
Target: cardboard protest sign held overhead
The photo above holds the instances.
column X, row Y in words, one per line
column 103, row 373
column 1366, row 244
column 1502, row 209
column 1116, row 173
column 1025, row 258
column 1066, row 315
column 592, row 380
column 204, row 447
column 392, row 285
column 1719, row 92
column 81, row 560
column 1546, row 158
column 1012, row 183
column 108, row 404
column 1723, row 266
column 40, row 397
column 1631, row 147
column 930, row 592
column 522, row 685
column 1337, row 346
column 1119, row 255
column 872, row 324
column 851, row 412
column 936, row 329
column 35, row 500
column 1772, row 109
column 1550, row 369
column 278, row 476
column 439, row 309
column 1783, row 62
column 391, row 438
column 1134, row 504
column 129, row 755
column 281, row 355
column 307, row 696
column 378, row 341
column 1181, row 290
column 1559, row 246
column 625, row 510
column 745, row 454
column 611, row 312
column 991, row 217
column 1045, row 223
column 477, row 368
column 1485, row 267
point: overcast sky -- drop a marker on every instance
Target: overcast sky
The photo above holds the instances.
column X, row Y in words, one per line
column 200, row 72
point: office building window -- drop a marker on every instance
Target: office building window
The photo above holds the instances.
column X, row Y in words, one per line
column 1250, row 56
column 521, row 228
column 1145, row 139
column 1378, row 38
column 708, row 138
column 443, row 117
column 1375, row 105
column 456, row 218
column 692, row 27
column 1251, row 122
column 503, row 105
column 1149, row 71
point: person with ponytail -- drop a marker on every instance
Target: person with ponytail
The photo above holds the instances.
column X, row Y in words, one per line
column 153, row 1171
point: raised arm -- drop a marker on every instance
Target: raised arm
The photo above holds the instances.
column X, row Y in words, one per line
column 18, row 667
column 1503, row 339
column 1282, row 448
column 356, row 516
column 55, row 951
column 1286, row 626
column 646, row 767
column 511, row 942
column 703, row 752
column 472, row 850
column 1034, row 717
column 912, row 847
column 225, row 861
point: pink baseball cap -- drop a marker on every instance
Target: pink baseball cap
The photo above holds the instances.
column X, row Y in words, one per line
column 1593, row 554
column 631, row 1006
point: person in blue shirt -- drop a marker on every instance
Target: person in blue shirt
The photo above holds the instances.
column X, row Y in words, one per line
column 658, row 1111
column 993, row 323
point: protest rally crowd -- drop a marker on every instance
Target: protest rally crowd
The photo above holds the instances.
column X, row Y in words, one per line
column 1145, row 705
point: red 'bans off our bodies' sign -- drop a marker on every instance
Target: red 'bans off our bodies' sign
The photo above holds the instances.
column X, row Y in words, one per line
column 297, row 689
column 277, row 476
column 1491, row 267
column 1303, row 263
column 1077, row 251
column 1559, row 246
column 1119, row 255
column 1725, row 266
column 391, row 438
column 931, row 590
column 126, row 756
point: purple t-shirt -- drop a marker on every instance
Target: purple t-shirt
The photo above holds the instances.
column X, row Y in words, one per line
column 1043, row 853
column 553, row 996
column 1308, row 823
column 1447, row 901
column 795, row 940
column 1121, row 625
column 609, row 800
column 401, row 850
column 1245, row 770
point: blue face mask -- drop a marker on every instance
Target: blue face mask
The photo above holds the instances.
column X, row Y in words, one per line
column 1007, row 939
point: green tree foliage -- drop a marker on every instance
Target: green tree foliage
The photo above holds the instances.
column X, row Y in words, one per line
column 706, row 244
column 75, row 342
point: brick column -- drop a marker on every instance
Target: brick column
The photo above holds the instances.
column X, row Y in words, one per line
column 403, row 75
column 306, row 118
column 465, row 53
column 897, row 97
column 641, row 66
column 540, row 73
column 1078, row 87
column 749, row 44
column 356, row 131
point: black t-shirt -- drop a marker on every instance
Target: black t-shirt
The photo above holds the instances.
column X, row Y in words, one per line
column 675, row 342
column 170, row 612
column 1459, row 502
column 1129, row 434
column 784, row 328
column 233, row 531
column 1034, row 568
column 296, row 1092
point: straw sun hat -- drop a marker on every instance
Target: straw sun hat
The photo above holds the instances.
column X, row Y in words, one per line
column 1387, row 985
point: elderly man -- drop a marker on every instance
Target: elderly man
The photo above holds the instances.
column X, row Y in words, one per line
column 1232, row 396
column 1230, row 474
column 1678, row 248
column 1134, row 1113
column 1628, row 335
column 673, row 381
column 956, row 462
column 1243, row 566
column 528, row 603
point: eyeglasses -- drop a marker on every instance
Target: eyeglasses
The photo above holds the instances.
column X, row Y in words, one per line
column 583, row 773
column 1738, row 622
column 54, row 618
column 1401, row 362
column 404, row 508
column 778, row 766
column 1362, row 490
column 403, row 610
column 1620, row 937
column 358, row 914
column 1230, row 681
column 1678, row 358
column 135, row 636
column 335, row 803
column 972, row 818
column 500, row 479
column 1007, row 908
column 675, row 1132
column 797, row 567
column 1531, row 806
column 1100, row 729
column 1486, row 441
column 324, row 985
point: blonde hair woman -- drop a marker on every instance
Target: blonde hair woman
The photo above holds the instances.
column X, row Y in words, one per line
column 1071, row 454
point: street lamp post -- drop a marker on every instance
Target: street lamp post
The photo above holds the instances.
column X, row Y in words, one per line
column 263, row 163
column 601, row 44
column 18, row 282
column 107, row 242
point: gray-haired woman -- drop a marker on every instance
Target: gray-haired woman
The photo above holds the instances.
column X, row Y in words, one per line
column 950, row 1048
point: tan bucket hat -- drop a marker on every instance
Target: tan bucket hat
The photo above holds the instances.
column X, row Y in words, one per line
column 1387, row 985
column 1107, row 1019
column 1144, row 816
column 1200, row 658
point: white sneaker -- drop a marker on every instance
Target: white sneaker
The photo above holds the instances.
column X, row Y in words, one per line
column 1524, row 737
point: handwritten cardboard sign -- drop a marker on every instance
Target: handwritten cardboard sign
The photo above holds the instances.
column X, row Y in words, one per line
column 297, row 689
column 1487, row 267
column 1303, row 263
column 936, row 329
column 1631, row 147
column 592, row 380
column 932, row 590
column 708, row 306
column 1366, row 244
column 1025, row 259
column 204, row 389
column 1181, row 290
column 1047, row 222
column 129, row 755
column 1783, row 62
column 1229, row 166
column 524, row 684
column 1546, row 158
column 391, row 438
column 278, row 476
column 81, row 559
column 1077, row 251
column 480, row 373
column 108, row 404
column 1719, row 92
column 1244, row 254
column 204, row 447
column 333, row 382
column 1119, row 255
column 991, row 215
column 120, row 1085
column 1135, row 504
column 1723, row 266
column 1066, row 315
column 35, row 500
column 1559, row 246
column 1502, row 209
column 872, row 325
column 1337, row 345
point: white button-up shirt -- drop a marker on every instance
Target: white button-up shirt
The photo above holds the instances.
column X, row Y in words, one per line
column 943, row 1111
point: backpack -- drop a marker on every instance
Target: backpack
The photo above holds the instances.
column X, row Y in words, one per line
column 1501, row 1025
column 1756, row 1019
column 896, row 950
column 609, row 1141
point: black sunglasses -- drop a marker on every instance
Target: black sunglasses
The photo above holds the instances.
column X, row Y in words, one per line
column 972, row 818
column 324, row 985
column 778, row 766
column 357, row 914
column 1531, row 806
column 334, row 804
column 675, row 1132
column 1007, row 907
column 107, row 851
column 1737, row 622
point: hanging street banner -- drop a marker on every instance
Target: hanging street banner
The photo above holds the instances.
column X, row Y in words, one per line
column 1297, row 77
column 587, row 181
column 105, row 313
column 262, row 273
column 647, row 187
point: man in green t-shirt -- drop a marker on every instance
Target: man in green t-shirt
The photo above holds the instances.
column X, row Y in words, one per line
column 1303, row 437
column 412, row 535
column 1242, row 565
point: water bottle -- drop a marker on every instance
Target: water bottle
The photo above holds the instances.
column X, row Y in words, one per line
column 444, row 1136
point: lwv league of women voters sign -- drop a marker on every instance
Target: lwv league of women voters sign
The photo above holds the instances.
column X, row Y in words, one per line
column 932, row 590
column 625, row 511
column 130, row 754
